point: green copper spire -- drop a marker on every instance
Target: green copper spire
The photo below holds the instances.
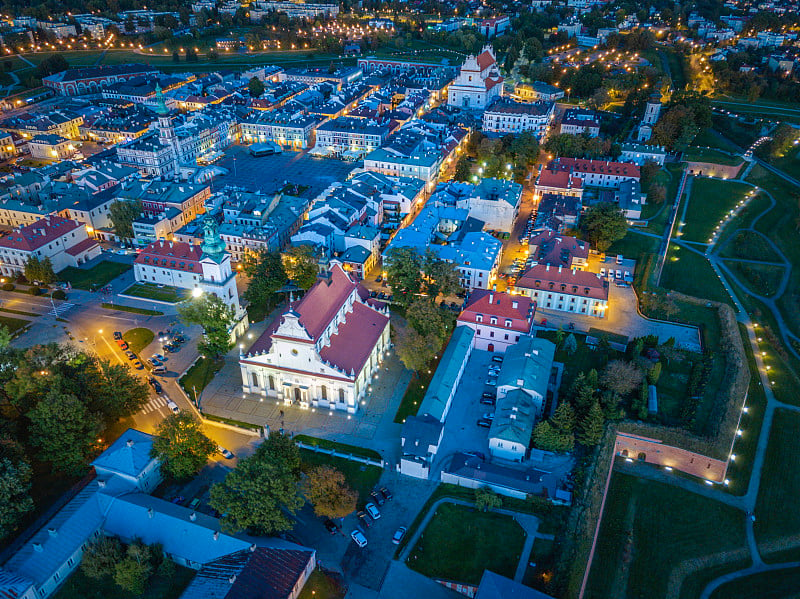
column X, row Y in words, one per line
column 212, row 246
column 161, row 106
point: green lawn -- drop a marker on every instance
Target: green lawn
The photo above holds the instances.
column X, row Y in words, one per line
column 780, row 487
column 543, row 555
column 172, row 295
column 778, row 584
column 200, row 375
column 340, row 447
column 95, row 277
column 138, row 338
column 360, row 477
column 648, row 529
column 711, row 155
column 13, row 324
column 750, row 245
column 709, row 203
column 690, row 273
column 761, row 279
column 789, row 162
column 460, row 543
column 321, row 586
column 707, row 138
column 131, row 309
column 80, row 586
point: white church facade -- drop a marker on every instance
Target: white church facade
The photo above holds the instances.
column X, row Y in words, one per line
column 478, row 84
column 324, row 350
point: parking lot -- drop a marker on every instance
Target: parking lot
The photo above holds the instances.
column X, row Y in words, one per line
column 365, row 566
column 270, row 173
column 461, row 432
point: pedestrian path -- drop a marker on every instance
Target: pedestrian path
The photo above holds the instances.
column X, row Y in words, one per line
column 154, row 404
column 61, row 308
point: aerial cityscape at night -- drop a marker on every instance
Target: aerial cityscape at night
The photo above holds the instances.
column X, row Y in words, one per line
column 411, row 299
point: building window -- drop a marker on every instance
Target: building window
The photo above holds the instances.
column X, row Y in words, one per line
column 255, row 379
column 324, row 392
column 271, row 382
column 341, row 395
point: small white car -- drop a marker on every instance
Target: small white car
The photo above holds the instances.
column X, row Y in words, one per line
column 359, row 538
column 225, row 453
column 173, row 406
column 372, row 510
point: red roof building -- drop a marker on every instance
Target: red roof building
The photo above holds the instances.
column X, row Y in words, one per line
column 324, row 350
column 64, row 241
column 549, row 247
column 596, row 173
column 498, row 319
column 564, row 289
column 558, row 182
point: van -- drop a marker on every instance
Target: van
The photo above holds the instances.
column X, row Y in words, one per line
column 159, row 370
column 173, row 406
column 619, row 258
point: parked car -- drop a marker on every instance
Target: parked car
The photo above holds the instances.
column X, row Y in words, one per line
column 497, row 358
column 225, row 453
column 152, row 382
column 131, row 355
column 159, row 357
column 173, row 407
column 363, row 519
column 476, row 454
column 159, row 370
column 194, row 503
column 398, row 535
column 372, row 510
column 488, row 399
column 489, row 415
column 154, row 362
column 387, row 493
column 376, row 498
column 485, row 423
column 359, row 538
column 178, row 500
column 158, row 388
column 117, row 335
column 137, row 365
column 330, row 526
column 491, row 382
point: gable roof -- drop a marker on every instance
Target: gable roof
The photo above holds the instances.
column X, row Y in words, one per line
column 494, row 586
column 527, row 365
column 40, row 233
column 321, row 303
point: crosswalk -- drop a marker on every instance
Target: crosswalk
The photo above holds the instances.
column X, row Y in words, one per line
column 154, row 404
column 61, row 308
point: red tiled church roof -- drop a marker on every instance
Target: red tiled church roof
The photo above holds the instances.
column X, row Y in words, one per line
column 175, row 255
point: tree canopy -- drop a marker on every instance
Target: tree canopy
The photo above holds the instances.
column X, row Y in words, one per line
column 410, row 274
column 255, row 87
column 259, row 494
column 602, row 224
column 301, row 265
column 215, row 316
column 122, row 214
column 267, row 275
column 182, row 446
column 329, row 493
column 39, row 270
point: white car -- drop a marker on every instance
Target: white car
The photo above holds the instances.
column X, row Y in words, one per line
column 173, row 406
column 359, row 538
column 225, row 453
column 372, row 510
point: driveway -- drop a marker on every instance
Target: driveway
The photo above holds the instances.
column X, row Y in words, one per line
column 623, row 317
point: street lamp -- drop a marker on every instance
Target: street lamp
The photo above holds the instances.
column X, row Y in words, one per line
column 197, row 292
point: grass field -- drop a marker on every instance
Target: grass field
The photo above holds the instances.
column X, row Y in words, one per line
column 80, row 586
column 360, row 477
column 707, row 138
column 130, row 309
column 321, row 586
column 95, row 277
column 172, row 295
column 690, row 273
column 649, row 529
column 750, row 245
column 138, row 338
column 711, row 155
column 780, row 487
column 778, row 584
column 709, row 202
column 200, row 375
column 13, row 324
column 761, row 279
column 460, row 543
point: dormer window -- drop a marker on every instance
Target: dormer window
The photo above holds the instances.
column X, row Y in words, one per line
column 493, row 320
column 508, row 323
column 479, row 318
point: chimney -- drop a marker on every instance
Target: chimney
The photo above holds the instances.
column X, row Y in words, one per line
column 491, row 298
column 232, row 579
column 193, row 516
column 37, row 547
column 515, row 304
column 150, row 512
column 547, row 269
column 129, row 443
column 52, row 532
column 216, row 536
column 559, row 269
